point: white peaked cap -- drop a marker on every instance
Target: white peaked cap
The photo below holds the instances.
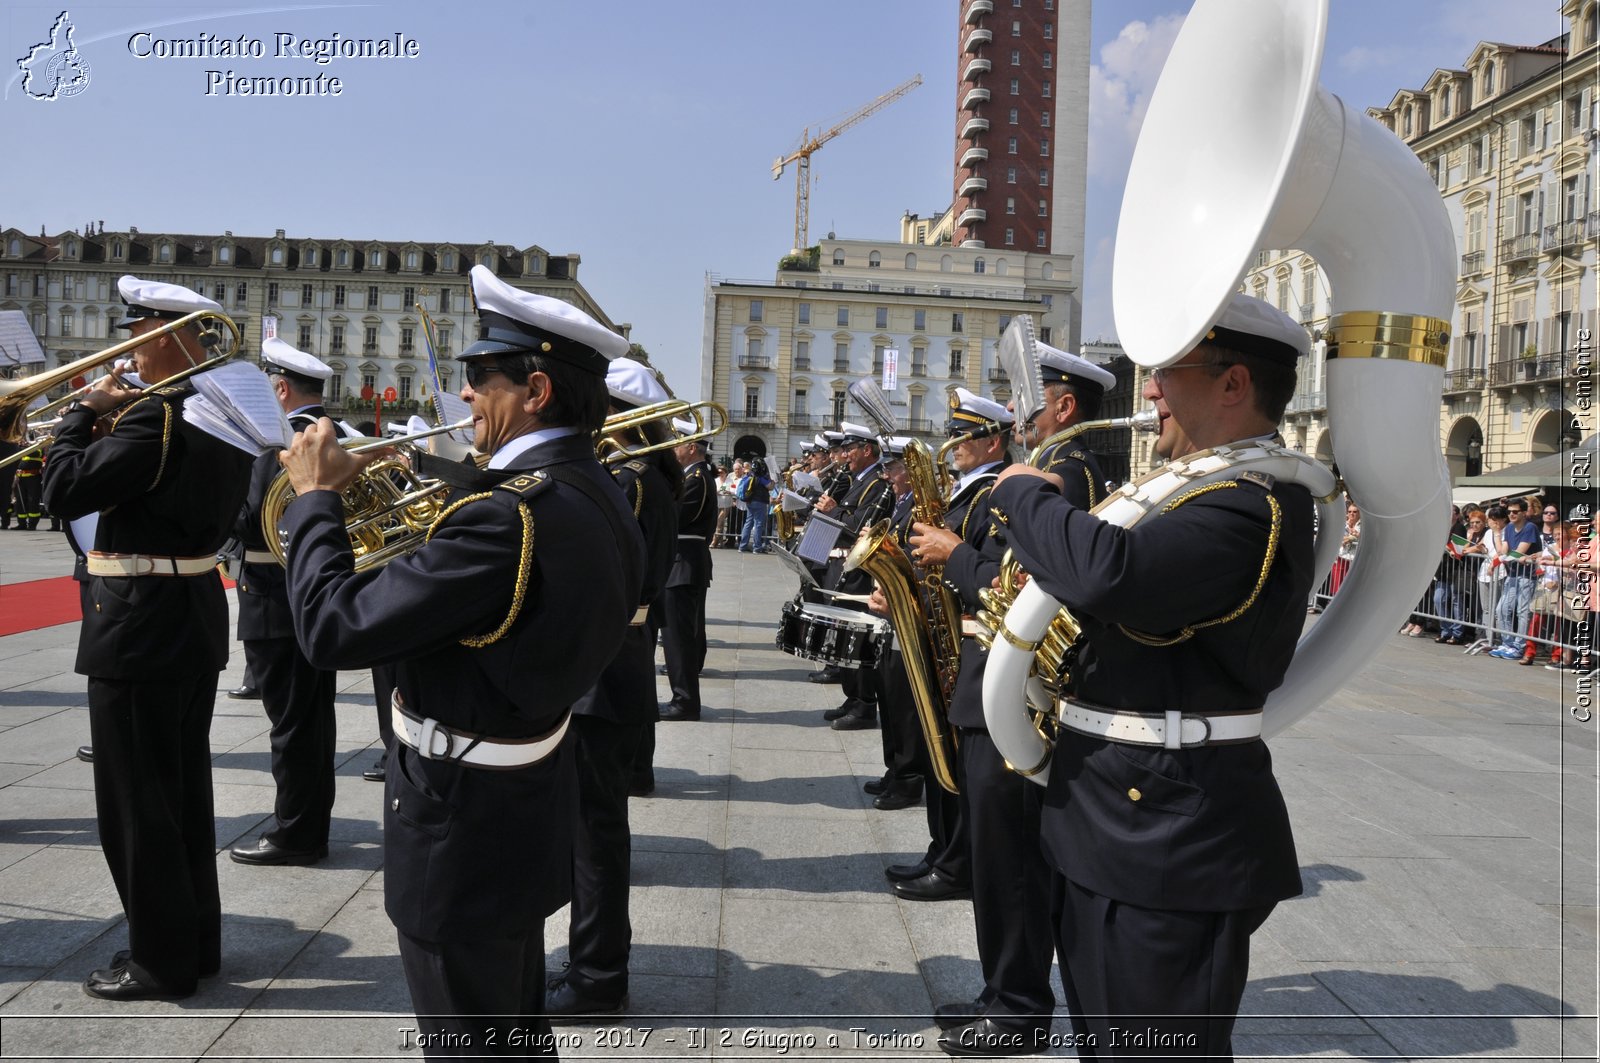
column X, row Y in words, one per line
column 633, row 382
column 1057, row 363
column 511, row 320
column 279, row 355
column 159, row 299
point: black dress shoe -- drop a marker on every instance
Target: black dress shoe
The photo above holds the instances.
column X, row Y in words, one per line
column 985, row 1037
column 565, row 1005
column 830, row 674
column 678, row 712
column 905, row 872
column 86, row 754
column 855, row 721
column 268, row 853
column 119, row 983
column 849, row 705
column 876, row 786
column 377, row 773
column 245, row 693
column 900, row 796
column 949, row 1016
column 121, row 957
column 934, row 886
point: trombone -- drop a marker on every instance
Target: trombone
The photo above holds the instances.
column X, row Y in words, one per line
column 613, row 446
column 16, row 395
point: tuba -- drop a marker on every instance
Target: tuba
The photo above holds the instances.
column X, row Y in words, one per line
column 1205, row 192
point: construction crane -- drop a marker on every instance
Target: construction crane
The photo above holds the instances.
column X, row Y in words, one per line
column 809, row 144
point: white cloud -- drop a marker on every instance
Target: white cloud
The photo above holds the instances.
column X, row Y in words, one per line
column 1120, row 85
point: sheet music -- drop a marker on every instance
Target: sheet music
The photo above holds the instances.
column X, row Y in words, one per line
column 236, row 404
column 454, row 408
column 807, row 480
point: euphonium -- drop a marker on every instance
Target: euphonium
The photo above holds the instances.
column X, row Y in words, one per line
column 1205, row 192
column 785, row 519
column 925, row 613
column 388, row 509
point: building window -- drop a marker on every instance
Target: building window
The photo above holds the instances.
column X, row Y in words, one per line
column 1016, row 27
column 338, row 295
column 838, row 405
column 305, row 338
column 240, row 294
column 369, row 343
column 1044, row 90
column 224, row 253
column 1308, row 290
column 408, row 339
column 1406, row 124
column 336, row 388
column 1049, row 30
column 1044, row 177
column 838, row 256
column 405, row 387
column 841, row 357
column 336, row 342
column 164, row 253
column 1044, row 148
column 411, row 260
column 447, row 260
column 1444, row 103
column 755, row 310
column 881, row 317
column 801, row 402
column 444, row 341
column 1011, row 204
column 372, row 297
column 408, row 298
column 375, row 259
column 841, row 317
column 1016, row 87
column 306, row 297
column 752, row 350
column 804, row 314
column 116, row 249
column 802, row 354
column 1488, row 79
column 1016, row 57
column 1530, row 132
column 1011, row 145
column 13, row 284
column 369, row 383
column 1012, row 116
column 1011, row 175
column 1044, row 208
column 1039, row 238
column 276, row 256
column 444, row 300
column 957, row 321
column 219, row 292
column 272, row 293
column 919, row 320
column 66, row 323
column 1010, row 239
column 955, row 363
column 874, row 260
column 311, row 256
column 1047, row 60
column 343, row 261
column 979, row 265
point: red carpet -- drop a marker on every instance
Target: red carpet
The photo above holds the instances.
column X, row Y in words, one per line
column 42, row 603
column 39, row 603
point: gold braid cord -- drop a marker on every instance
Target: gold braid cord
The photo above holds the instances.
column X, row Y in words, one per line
column 524, row 568
column 1188, row 632
column 166, row 429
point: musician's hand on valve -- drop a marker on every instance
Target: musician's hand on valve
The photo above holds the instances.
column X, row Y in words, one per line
column 877, row 603
column 932, row 546
column 826, row 504
column 316, row 461
column 1011, row 472
column 106, row 395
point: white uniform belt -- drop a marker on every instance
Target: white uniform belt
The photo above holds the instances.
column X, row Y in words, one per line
column 639, row 615
column 102, row 564
column 260, row 557
column 1170, row 730
column 434, row 741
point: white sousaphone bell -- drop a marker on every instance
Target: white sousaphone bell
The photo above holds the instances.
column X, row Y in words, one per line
column 1242, row 150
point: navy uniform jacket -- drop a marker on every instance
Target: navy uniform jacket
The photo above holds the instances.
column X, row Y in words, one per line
column 263, row 595
column 973, row 565
column 162, row 487
column 1079, row 469
column 1196, row 609
column 626, row 692
column 502, row 620
column 697, row 517
column 869, row 500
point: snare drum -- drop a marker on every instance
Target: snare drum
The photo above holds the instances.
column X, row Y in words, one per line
column 831, row 635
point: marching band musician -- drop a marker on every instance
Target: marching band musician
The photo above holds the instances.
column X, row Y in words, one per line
column 1169, row 850
column 683, row 630
column 153, row 641
column 991, row 850
column 498, row 624
column 298, row 698
column 610, row 722
column 1073, row 388
column 869, row 499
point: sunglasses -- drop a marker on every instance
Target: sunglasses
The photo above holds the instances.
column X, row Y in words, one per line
column 1160, row 375
column 477, row 372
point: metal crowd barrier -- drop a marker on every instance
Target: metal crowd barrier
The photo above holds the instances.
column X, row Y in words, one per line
column 1458, row 595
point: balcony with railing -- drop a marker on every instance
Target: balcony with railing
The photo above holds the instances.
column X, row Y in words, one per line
column 976, row 69
column 1563, row 235
column 919, row 424
column 841, row 365
column 1594, row 225
column 748, row 416
column 972, row 215
column 973, row 127
column 919, row 369
column 996, row 374
column 802, row 363
column 973, row 185
column 1459, row 380
column 1308, row 402
column 755, row 361
column 369, row 349
column 1519, row 248
column 1472, row 262
column 974, row 97
column 958, row 372
column 977, row 39
column 1509, row 372
column 408, row 349
column 979, row 9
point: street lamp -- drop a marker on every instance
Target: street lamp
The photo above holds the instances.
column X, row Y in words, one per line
column 1474, row 456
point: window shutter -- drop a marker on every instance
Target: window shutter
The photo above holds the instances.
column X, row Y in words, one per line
column 1514, row 138
column 1505, row 342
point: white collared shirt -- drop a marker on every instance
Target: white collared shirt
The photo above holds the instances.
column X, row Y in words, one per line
column 968, row 478
column 503, row 457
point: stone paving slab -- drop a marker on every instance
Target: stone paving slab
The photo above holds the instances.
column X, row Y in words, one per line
column 1444, row 809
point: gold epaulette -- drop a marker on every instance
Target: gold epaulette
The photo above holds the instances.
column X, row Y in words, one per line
column 525, row 485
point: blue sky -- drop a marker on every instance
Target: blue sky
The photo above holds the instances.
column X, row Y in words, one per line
column 635, row 133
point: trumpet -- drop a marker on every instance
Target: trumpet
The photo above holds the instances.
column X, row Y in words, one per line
column 614, row 446
column 17, row 422
column 388, row 509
